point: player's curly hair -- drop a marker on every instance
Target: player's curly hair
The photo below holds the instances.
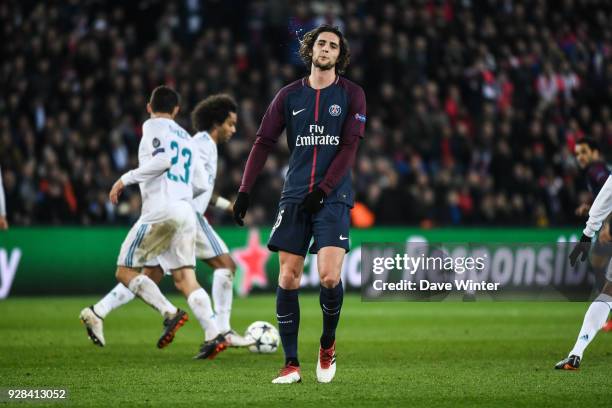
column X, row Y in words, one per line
column 308, row 42
column 212, row 111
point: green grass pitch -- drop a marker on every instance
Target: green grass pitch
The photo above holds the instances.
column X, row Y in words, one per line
column 389, row 354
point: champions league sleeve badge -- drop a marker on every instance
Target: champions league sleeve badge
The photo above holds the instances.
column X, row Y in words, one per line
column 360, row 117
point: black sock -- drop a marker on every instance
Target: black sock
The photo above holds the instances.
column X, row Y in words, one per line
column 331, row 304
column 288, row 317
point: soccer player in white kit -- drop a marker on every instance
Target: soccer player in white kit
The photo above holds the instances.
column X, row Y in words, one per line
column 169, row 178
column 598, row 311
column 215, row 120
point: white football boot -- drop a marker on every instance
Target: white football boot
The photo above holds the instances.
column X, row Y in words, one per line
column 326, row 364
column 94, row 326
column 289, row 374
column 235, row 340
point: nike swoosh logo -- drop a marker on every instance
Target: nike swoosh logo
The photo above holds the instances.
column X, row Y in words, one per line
column 280, row 317
column 343, row 238
column 296, row 112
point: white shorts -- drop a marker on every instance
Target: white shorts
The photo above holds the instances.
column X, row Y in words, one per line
column 171, row 241
column 208, row 243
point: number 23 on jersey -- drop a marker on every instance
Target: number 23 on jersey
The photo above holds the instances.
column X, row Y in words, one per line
column 180, row 164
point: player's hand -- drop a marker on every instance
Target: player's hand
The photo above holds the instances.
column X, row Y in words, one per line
column 3, row 223
column 116, row 191
column 583, row 210
column 240, row 207
column 313, row 202
column 581, row 249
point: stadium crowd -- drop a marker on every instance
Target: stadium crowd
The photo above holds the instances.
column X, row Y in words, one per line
column 473, row 106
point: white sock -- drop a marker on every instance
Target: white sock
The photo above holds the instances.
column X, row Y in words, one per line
column 118, row 296
column 147, row 290
column 594, row 319
column 199, row 302
column 222, row 293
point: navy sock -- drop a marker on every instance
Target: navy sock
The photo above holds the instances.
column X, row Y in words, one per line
column 288, row 317
column 331, row 304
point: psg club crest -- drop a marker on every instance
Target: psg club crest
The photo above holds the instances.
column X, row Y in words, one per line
column 335, row 110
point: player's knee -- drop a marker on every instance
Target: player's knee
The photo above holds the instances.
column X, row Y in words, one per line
column 185, row 281
column 231, row 265
column 154, row 273
column 329, row 280
column 183, row 286
column 228, row 263
column 122, row 275
column 179, row 285
column 289, row 278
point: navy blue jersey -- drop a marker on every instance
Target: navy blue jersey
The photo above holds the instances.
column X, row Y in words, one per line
column 323, row 128
column 596, row 175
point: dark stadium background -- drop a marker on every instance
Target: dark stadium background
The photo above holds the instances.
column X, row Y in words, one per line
column 474, row 107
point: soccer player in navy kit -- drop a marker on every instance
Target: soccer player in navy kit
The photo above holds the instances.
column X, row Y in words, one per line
column 595, row 169
column 324, row 116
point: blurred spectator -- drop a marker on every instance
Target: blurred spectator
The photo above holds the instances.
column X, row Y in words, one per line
column 474, row 108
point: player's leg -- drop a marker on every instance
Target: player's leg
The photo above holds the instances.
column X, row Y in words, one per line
column 144, row 242
column 93, row 316
column 222, row 288
column 288, row 313
column 211, row 249
column 595, row 317
column 154, row 272
column 290, row 237
column 331, row 231
column 329, row 264
column 600, row 259
column 120, row 295
column 199, row 302
column 146, row 289
column 143, row 287
column 180, row 258
column 331, row 295
column 222, row 293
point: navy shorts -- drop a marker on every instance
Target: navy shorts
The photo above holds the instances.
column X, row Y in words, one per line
column 293, row 229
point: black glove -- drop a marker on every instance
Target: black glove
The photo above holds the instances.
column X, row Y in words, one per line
column 240, row 207
column 313, row 202
column 581, row 248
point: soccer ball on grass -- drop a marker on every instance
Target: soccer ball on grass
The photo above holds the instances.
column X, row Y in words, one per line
column 265, row 336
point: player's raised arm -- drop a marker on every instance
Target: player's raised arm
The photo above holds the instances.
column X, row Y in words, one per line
column 269, row 131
